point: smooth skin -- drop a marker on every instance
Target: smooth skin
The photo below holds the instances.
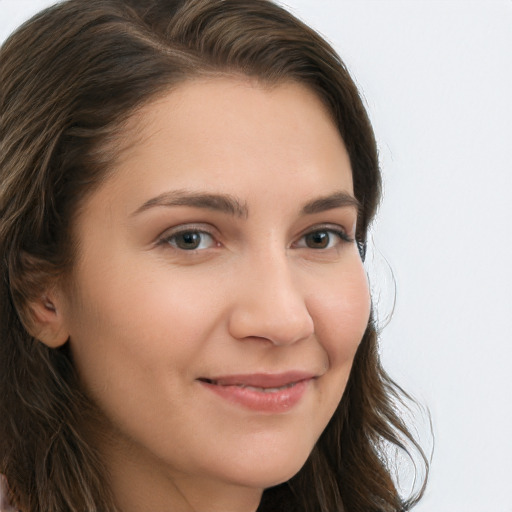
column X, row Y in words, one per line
column 211, row 250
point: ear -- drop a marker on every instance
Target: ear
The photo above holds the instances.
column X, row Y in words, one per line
column 48, row 325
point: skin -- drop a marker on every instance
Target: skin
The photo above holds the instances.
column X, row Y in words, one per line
column 148, row 318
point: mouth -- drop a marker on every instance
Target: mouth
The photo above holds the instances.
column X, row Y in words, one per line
column 268, row 393
column 264, row 381
column 261, row 389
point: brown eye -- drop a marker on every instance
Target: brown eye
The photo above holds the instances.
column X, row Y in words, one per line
column 322, row 239
column 190, row 240
column 318, row 239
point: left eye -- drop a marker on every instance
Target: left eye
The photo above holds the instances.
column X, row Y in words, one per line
column 322, row 239
column 190, row 240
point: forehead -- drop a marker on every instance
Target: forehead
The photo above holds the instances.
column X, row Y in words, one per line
column 235, row 136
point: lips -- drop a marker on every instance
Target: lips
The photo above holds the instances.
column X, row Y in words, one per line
column 264, row 389
column 273, row 393
column 261, row 380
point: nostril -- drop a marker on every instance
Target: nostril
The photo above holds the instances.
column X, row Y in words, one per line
column 272, row 311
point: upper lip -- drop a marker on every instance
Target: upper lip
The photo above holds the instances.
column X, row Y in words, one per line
column 260, row 380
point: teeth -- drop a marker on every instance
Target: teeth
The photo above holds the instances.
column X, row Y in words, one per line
column 268, row 390
column 253, row 388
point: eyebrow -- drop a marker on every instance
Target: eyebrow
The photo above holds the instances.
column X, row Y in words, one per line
column 339, row 199
column 226, row 203
column 218, row 202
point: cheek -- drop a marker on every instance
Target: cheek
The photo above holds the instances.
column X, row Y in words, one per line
column 341, row 315
column 137, row 324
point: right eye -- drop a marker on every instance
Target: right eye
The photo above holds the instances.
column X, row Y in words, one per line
column 323, row 238
column 189, row 240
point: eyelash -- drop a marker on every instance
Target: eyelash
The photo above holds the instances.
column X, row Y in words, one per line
column 339, row 233
column 170, row 239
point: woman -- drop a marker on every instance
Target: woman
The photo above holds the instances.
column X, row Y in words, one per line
column 185, row 318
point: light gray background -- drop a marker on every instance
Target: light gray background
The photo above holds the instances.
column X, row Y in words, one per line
column 437, row 80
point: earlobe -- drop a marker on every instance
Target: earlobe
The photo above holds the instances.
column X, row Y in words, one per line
column 48, row 325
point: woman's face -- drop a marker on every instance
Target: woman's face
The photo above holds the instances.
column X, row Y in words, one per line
column 219, row 295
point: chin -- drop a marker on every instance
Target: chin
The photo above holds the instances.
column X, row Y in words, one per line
column 270, row 472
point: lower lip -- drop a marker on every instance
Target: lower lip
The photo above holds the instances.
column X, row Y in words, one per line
column 271, row 401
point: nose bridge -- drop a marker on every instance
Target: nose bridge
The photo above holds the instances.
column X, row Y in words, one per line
column 269, row 302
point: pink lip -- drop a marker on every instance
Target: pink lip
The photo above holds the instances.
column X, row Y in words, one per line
column 272, row 393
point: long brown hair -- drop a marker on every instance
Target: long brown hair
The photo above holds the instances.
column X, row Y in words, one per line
column 69, row 78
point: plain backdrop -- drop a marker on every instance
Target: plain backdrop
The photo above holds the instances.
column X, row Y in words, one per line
column 437, row 80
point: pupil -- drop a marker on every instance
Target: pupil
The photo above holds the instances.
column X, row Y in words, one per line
column 318, row 240
column 188, row 241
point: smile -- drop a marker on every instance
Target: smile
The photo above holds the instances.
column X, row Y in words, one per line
column 261, row 392
column 255, row 388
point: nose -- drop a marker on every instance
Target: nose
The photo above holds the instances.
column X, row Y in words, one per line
column 269, row 305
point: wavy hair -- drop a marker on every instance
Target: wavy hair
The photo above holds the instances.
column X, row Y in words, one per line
column 69, row 79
